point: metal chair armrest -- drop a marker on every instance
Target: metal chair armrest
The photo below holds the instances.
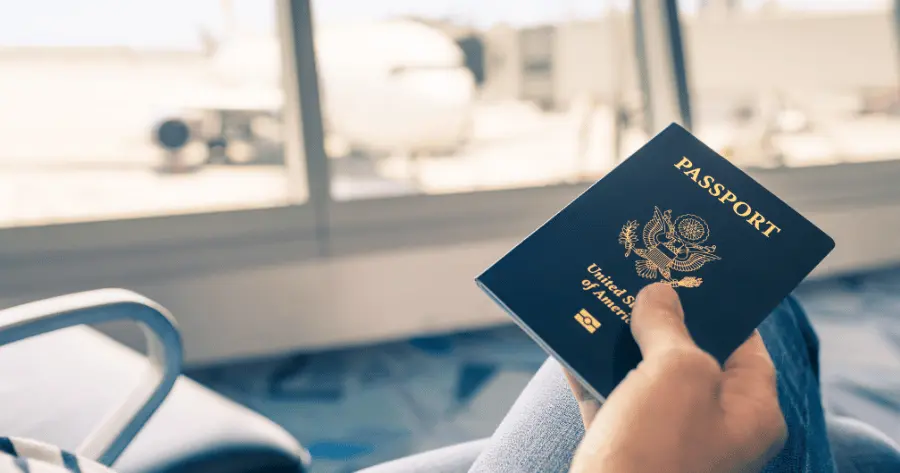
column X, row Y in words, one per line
column 164, row 351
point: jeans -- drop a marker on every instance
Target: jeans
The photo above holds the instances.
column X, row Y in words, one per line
column 543, row 428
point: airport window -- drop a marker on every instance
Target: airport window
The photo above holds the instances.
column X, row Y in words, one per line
column 416, row 99
column 793, row 83
column 516, row 95
column 142, row 108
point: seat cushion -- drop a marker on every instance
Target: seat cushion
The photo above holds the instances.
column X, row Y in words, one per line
column 57, row 387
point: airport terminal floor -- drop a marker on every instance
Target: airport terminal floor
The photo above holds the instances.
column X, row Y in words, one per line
column 327, row 399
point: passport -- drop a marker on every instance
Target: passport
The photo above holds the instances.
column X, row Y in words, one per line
column 674, row 212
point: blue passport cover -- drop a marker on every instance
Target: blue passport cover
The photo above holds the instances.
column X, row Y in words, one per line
column 674, row 212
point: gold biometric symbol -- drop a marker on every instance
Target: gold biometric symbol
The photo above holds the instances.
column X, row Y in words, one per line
column 669, row 246
column 588, row 321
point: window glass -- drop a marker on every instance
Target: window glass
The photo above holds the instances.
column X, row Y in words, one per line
column 148, row 107
column 795, row 82
column 456, row 96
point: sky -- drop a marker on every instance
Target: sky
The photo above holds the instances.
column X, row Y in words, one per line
column 177, row 23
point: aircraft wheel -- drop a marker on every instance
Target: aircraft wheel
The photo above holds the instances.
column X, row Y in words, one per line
column 240, row 152
column 216, row 151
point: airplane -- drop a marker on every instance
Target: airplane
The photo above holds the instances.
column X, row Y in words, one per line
column 395, row 86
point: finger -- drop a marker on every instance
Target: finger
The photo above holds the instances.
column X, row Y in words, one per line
column 751, row 355
column 750, row 391
column 588, row 405
column 657, row 322
column 752, row 361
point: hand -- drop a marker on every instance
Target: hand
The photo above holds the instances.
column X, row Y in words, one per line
column 679, row 411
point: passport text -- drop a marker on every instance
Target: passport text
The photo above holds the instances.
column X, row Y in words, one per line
column 605, row 290
column 741, row 209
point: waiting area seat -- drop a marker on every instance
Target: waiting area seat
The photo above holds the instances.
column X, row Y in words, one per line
column 58, row 386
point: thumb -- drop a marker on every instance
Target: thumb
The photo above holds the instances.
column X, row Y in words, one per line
column 657, row 321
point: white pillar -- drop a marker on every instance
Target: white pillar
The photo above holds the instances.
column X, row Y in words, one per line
column 897, row 32
column 305, row 151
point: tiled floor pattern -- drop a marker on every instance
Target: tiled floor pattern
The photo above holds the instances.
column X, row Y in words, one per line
column 354, row 408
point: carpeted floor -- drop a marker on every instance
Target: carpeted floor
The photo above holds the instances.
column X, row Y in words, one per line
column 355, row 408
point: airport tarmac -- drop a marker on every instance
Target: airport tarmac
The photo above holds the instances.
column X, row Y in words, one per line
column 513, row 145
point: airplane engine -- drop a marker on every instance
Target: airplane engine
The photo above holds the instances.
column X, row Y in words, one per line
column 172, row 134
column 179, row 139
column 397, row 86
column 219, row 135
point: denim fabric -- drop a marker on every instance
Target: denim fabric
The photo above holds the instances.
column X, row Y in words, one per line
column 794, row 348
column 453, row 459
column 543, row 428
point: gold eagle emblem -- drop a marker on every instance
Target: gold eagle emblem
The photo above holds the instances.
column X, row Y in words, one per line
column 669, row 246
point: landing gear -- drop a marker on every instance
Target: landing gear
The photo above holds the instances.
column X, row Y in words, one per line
column 242, row 137
column 220, row 137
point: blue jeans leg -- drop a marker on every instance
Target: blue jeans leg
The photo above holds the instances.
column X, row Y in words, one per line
column 794, row 347
column 543, row 428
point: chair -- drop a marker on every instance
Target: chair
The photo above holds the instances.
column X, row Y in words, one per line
column 61, row 379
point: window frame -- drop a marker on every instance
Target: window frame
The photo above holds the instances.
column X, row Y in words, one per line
column 322, row 227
